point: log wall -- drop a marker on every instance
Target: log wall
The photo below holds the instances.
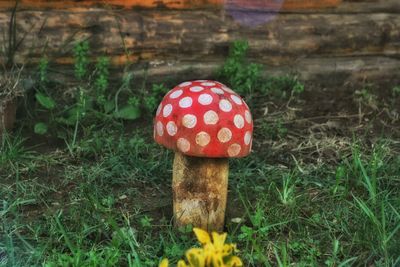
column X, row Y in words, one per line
column 327, row 41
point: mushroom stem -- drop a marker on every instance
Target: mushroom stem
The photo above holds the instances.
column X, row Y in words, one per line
column 200, row 188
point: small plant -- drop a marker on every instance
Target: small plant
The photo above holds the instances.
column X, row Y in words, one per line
column 282, row 85
column 242, row 76
column 12, row 149
column 146, row 100
column 43, row 72
column 366, row 97
column 80, row 112
column 396, row 91
column 49, row 104
column 383, row 220
column 287, row 193
column 214, row 252
column 101, row 83
column 43, row 99
column 246, row 78
column 94, row 103
column 342, row 184
column 93, row 99
column 366, row 173
column 151, row 100
column 81, row 51
column 275, row 130
column 131, row 110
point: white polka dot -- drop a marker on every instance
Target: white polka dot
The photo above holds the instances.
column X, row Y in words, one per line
column 203, row 139
column 160, row 128
column 167, row 110
column 205, row 99
column 159, row 109
column 200, row 81
column 185, row 84
column 172, row 129
column 236, row 99
column 224, row 135
column 183, row 145
column 247, row 138
column 176, row 94
column 225, row 105
column 247, row 116
column 185, row 102
column 234, row 150
column 238, row 121
column 196, row 89
column 189, row 120
column 217, row 90
column 211, row 117
column 208, row 84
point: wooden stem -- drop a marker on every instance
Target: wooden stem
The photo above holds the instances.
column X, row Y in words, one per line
column 200, row 188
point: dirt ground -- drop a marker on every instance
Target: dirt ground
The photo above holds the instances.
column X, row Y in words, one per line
column 320, row 125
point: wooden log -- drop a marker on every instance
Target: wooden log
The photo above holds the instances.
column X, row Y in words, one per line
column 324, row 71
column 327, row 71
column 197, row 35
column 173, row 4
column 200, row 188
column 368, row 7
column 303, row 6
column 169, row 41
column 131, row 4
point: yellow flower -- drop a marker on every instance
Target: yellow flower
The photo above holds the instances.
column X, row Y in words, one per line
column 234, row 261
column 196, row 257
column 218, row 239
column 182, row 263
column 163, row 263
column 215, row 249
column 202, row 236
column 214, row 252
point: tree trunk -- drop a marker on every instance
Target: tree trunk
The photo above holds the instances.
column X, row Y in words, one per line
column 200, row 187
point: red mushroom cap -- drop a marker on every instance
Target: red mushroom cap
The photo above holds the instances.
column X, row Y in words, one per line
column 204, row 119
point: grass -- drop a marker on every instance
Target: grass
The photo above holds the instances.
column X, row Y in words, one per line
column 319, row 189
column 109, row 205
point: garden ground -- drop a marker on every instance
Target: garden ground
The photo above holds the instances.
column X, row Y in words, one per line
column 321, row 188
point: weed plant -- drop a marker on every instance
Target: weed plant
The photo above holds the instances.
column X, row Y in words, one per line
column 396, row 91
column 248, row 80
column 95, row 101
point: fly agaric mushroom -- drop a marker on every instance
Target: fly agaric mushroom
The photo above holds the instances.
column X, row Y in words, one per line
column 205, row 123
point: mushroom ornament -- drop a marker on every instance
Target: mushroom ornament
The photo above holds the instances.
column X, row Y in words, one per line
column 205, row 123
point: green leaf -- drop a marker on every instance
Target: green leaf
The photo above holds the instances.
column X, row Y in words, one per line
column 128, row 113
column 41, row 128
column 46, row 101
column 70, row 120
column 109, row 105
column 73, row 114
